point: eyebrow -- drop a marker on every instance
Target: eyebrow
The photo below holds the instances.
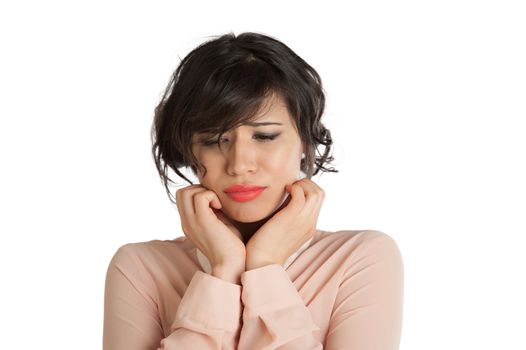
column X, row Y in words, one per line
column 255, row 124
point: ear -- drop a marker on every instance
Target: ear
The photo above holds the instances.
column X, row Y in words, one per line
column 304, row 149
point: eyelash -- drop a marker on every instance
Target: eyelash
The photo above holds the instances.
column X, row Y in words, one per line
column 262, row 137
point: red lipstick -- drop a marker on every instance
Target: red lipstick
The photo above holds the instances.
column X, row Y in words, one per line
column 243, row 193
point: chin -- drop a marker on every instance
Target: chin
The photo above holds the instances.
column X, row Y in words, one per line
column 253, row 212
column 246, row 215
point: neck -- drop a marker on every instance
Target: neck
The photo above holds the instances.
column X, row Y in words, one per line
column 248, row 229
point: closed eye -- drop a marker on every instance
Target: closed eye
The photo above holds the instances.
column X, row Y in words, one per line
column 261, row 137
column 266, row 136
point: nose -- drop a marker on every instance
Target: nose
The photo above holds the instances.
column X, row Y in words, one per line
column 240, row 157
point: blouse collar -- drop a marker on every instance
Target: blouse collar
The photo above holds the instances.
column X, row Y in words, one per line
column 205, row 264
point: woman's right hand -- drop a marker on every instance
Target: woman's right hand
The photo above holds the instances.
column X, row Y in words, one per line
column 223, row 245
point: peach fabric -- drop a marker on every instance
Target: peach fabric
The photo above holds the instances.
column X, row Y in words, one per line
column 340, row 290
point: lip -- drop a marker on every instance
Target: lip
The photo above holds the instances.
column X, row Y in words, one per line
column 244, row 193
column 243, row 188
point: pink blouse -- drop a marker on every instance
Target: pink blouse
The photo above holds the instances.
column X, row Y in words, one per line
column 340, row 290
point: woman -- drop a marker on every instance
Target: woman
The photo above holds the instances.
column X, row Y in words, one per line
column 253, row 271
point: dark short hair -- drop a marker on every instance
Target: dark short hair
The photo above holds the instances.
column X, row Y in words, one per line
column 221, row 84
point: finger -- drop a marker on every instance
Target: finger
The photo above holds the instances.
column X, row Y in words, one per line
column 185, row 206
column 222, row 217
column 180, row 194
column 314, row 195
column 311, row 189
column 284, row 204
column 203, row 200
column 215, row 203
column 297, row 197
column 186, row 198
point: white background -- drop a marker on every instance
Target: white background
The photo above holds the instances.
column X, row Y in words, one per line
column 426, row 102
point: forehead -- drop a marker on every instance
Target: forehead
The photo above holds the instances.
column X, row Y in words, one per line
column 273, row 112
column 273, row 108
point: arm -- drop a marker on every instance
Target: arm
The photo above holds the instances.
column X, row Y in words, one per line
column 367, row 313
column 275, row 315
column 208, row 316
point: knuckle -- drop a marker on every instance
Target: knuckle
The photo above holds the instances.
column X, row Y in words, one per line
column 200, row 195
column 184, row 228
column 180, row 192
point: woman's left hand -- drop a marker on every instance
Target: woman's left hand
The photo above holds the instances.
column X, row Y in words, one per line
column 289, row 228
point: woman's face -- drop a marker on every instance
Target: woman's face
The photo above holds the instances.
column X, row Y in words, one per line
column 267, row 155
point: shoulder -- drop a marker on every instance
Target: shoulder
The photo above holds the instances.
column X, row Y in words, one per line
column 150, row 265
column 356, row 237
column 356, row 245
column 150, row 259
column 147, row 250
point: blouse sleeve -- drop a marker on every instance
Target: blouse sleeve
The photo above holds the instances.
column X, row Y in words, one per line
column 274, row 315
column 367, row 313
column 208, row 316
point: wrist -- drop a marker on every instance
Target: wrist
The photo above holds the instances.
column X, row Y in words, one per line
column 255, row 261
column 257, row 264
column 229, row 273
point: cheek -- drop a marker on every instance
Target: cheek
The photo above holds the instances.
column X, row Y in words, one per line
column 284, row 163
column 205, row 164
